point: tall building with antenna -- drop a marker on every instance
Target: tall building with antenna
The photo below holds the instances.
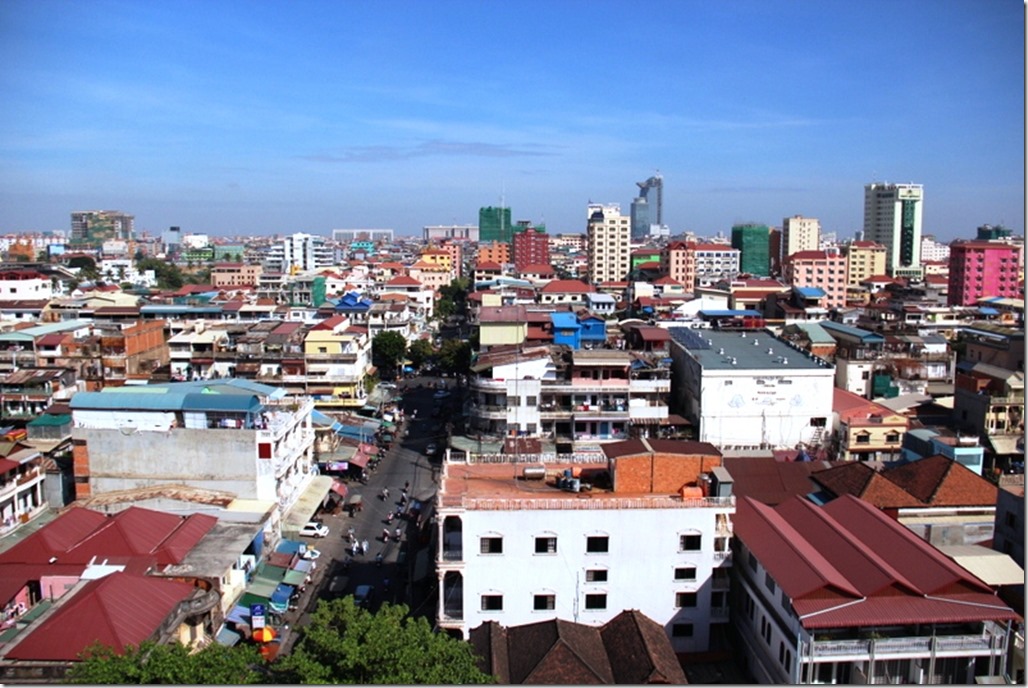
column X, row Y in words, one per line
column 644, row 215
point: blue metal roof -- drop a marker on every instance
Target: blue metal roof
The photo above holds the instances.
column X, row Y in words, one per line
column 564, row 320
column 988, row 311
column 865, row 336
column 171, row 401
column 810, row 292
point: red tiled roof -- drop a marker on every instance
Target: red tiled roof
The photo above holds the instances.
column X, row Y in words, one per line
column 860, row 480
column 940, row 481
column 847, row 564
column 403, row 281
column 50, row 340
column 330, row 323
column 567, row 287
column 116, row 610
column 665, row 280
column 538, row 269
column 488, row 265
column 56, row 537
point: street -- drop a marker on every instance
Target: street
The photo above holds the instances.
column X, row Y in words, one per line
column 405, row 462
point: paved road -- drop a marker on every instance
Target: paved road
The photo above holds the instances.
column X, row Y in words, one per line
column 404, row 462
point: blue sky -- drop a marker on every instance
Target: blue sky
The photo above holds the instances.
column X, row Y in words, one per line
column 264, row 117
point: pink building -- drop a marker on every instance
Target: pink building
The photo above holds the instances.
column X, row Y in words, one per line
column 982, row 268
column 823, row 269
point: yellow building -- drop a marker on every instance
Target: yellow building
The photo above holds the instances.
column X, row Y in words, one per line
column 337, row 359
column 864, row 259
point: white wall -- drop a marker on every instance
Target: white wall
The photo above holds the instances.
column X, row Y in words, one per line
column 641, row 561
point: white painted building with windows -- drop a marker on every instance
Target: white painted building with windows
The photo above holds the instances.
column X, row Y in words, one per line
column 750, row 390
column 653, row 534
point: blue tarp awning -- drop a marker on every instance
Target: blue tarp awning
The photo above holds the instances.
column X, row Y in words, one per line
column 280, row 598
column 290, row 546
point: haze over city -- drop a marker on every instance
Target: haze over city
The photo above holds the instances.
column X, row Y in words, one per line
column 260, row 118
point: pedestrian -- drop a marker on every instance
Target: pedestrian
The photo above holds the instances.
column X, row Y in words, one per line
column 406, row 486
column 385, row 535
column 397, row 533
column 364, row 547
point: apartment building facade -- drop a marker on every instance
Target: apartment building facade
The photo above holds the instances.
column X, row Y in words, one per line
column 608, row 239
column 582, row 529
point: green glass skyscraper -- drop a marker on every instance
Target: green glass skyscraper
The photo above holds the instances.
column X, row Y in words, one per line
column 494, row 225
column 754, row 244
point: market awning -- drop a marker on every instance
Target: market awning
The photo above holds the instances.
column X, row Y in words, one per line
column 305, row 506
column 359, row 459
column 280, row 598
column 339, row 488
column 263, row 587
column 228, row 637
column 295, row 577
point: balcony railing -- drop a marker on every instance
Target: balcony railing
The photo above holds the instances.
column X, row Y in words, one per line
column 882, row 647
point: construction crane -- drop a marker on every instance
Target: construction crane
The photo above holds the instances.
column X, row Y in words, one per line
column 654, row 182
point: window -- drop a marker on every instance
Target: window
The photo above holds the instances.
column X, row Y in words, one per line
column 596, row 575
column 546, row 545
column 686, row 573
column 863, row 439
column 491, row 545
column 718, row 598
column 689, row 543
column 892, row 437
column 685, row 599
column 596, row 601
column 531, row 401
column 681, row 630
column 597, row 543
column 543, row 603
column 492, row 603
column 769, row 582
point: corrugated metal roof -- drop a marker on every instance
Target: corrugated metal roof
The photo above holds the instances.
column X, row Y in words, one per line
column 995, row 568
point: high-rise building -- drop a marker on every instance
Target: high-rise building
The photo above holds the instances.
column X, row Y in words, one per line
column 982, row 268
column 299, row 253
column 531, row 247
column 799, row 234
column 93, row 227
column 607, row 234
column 754, row 244
column 994, row 232
column 494, row 225
column 825, row 270
column 892, row 217
column 644, row 215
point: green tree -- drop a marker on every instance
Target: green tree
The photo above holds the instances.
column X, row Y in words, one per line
column 419, row 352
column 87, row 267
column 168, row 275
column 455, row 356
column 169, row 664
column 344, row 643
column 388, row 350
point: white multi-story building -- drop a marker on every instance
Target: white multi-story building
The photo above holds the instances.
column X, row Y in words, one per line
column 750, row 390
column 609, row 248
column 348, row 235
column 650, row 533
column 231, row 436
column 892, row 217
column 799, row 234
column 713, row 263
column 299, row 253
column 932, row 250
column 25, row 285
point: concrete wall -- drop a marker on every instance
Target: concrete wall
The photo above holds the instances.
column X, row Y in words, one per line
column 210, row 459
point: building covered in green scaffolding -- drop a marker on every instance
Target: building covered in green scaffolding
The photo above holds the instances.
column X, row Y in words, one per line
column 754, row 244
column 494, row 225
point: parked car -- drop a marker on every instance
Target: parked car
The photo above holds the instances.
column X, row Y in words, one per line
column 363, row 595
column 313, row 529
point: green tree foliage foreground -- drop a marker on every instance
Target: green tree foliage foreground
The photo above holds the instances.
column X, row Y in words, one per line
column 169, row 664
column 345, row 643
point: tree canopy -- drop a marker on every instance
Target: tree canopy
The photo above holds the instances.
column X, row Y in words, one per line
column 388, row 350
column 169, row 664
column 344, row 643
column 455, row 356
column 419, row 352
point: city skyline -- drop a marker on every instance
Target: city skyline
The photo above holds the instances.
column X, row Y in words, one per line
column 261, row 118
